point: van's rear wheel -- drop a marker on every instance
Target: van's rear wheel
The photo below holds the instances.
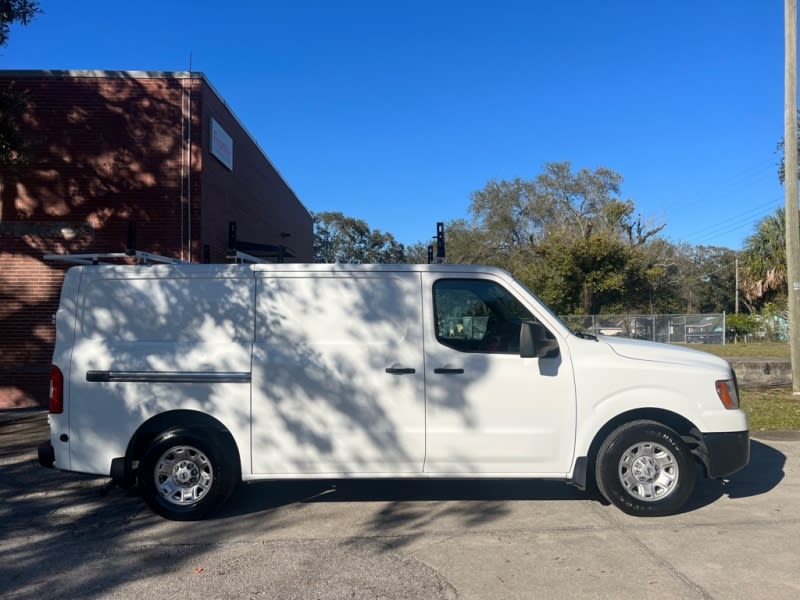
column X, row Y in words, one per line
column 645, row 469
column 185, row 475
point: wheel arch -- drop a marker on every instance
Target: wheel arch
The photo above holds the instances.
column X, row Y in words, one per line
column 123, row 468
column 584, row 469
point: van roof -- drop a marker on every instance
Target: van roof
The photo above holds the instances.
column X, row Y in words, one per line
column 225, row 270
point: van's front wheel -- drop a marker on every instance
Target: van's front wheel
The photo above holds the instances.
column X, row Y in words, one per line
column 184, row 476
column 645, row 469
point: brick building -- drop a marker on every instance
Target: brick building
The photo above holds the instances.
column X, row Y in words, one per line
column 157, row 160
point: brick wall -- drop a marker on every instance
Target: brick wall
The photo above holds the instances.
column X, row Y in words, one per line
column 105, row 151
column 102, row 152
column 29, row 291
column 253, row 194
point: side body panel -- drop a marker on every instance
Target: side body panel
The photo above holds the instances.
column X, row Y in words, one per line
column 338, row 375
column 153, row 339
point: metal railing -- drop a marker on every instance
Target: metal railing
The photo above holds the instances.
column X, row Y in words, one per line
column 706, row 328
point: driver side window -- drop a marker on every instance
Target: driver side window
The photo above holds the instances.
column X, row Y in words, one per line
column 476, row 315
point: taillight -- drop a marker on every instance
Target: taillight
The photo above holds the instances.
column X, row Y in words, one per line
column 56, row 403
column 726, row 390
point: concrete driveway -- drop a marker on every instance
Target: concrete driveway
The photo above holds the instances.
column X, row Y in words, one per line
column 66, row 535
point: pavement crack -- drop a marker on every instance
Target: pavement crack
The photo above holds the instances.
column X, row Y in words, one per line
column 672, row 569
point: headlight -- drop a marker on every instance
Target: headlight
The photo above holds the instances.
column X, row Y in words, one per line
column 726, row 390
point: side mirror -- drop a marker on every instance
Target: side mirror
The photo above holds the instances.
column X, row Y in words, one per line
column 534, row 343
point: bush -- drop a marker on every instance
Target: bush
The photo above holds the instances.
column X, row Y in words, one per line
column 773, row 322
column 740, row 324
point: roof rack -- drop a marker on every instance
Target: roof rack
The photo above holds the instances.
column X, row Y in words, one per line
column 95, row 258
column 239, row 257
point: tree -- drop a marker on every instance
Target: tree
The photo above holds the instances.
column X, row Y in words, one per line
column 763, row 260
column 16, row 11
column 705, row 279
column 568, row 235
column 342, row 239
column 740, row 325
column 583, row 276
column 12, row 103
column 573, row 239
column 12, row 110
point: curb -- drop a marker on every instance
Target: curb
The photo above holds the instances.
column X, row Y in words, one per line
column 10, row 415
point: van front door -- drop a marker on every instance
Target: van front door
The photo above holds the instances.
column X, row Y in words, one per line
column 337, row 377
column 488, row 410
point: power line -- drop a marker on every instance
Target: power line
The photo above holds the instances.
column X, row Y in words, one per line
column 733, row 222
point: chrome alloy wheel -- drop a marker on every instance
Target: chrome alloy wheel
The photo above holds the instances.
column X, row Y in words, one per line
column 648, row 471
column 183, row 475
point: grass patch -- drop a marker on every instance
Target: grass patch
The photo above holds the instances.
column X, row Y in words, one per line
column 742, row 350
column 768, row 409
column 771, row 409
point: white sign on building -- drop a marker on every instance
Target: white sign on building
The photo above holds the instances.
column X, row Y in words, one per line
column 221, row 144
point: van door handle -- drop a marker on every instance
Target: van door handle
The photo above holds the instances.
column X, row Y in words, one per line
column 448, row 371
column 400, row 370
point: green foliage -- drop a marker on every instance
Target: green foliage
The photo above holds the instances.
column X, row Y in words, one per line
column 342, row 239
column 13, row 103
column 764, row 260
column 741, row 324
column 704, row 278
column 12, row 144
column 571, row 237
column 568, row 235
column 16, row 11
column 773, row 320
column 583, row 276
column 520, row 212
column 417, row 254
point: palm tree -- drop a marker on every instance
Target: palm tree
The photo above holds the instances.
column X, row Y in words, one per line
column 764, row 260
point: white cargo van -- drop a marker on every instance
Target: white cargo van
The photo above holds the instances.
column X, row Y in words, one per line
column 187, row 379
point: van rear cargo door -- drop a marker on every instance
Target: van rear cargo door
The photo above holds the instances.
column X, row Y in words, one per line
column 154, row 339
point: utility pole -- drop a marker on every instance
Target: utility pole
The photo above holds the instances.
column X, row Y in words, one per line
column 792, row 217
column 737, row 285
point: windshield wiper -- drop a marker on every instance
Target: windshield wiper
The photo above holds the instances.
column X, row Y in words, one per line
column 585, row 336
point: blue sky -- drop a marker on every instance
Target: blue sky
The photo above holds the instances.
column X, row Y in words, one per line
column 395, row 112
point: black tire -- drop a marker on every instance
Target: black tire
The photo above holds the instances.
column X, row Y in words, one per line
column 185, row 475
column 645, row 469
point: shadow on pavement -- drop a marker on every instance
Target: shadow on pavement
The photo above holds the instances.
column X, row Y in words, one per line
column 55, row 520
column 257, row 497
column 763, row 473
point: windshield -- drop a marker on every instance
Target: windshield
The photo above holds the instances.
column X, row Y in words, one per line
column 547, row 309
column 554, row 316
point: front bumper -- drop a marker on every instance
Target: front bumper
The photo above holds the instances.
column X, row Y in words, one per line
column 47, row 455
column 724, row 453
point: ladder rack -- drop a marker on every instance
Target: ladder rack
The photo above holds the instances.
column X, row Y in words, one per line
column 239, row 257
column 96, row 258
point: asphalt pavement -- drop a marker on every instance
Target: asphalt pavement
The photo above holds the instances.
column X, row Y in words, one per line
column 65, row 535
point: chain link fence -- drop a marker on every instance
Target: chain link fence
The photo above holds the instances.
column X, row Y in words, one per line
column 690, row 329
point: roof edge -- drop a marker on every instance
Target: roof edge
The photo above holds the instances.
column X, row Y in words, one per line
column 239, row 122
column 99, row 73
column 87, row 73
